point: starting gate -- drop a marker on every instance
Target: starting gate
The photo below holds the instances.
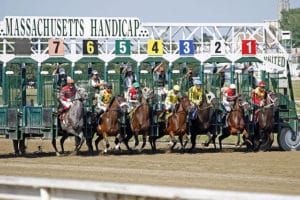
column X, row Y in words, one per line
column 206, row 43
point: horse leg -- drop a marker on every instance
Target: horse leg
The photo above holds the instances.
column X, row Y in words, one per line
column 136, row 140
column 210, row 136
column 89, row 143
column 173, row 140
column 62, row 141
column 99, row 138
column 82, row 139
column 193, row 141
column 152, row 143
column 225, row 134
column 106, row 143
column 144, row 141
column 54, row 146
column 238, row 140
column 271, row 136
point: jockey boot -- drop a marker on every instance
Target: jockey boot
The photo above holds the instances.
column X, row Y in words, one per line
column 59, row 111
column 255, row 115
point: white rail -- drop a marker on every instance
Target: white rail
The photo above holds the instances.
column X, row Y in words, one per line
column 24, row 188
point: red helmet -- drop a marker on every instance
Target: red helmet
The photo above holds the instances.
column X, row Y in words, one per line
column 262, row 84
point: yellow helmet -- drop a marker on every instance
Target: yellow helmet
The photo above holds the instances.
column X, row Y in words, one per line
column 176, row 87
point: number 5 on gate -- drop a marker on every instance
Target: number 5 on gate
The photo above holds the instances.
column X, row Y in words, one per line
column 155, row 47
column 56, row 47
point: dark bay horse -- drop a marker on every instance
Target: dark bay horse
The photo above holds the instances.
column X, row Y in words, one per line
column 73, row 121
column 205, row 120
column 263, row 137
column 140, row 119
column 177, row 122
column 236, row 123
column 109, row 125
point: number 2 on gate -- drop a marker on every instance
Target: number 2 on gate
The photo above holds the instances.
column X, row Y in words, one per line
column 155, row 47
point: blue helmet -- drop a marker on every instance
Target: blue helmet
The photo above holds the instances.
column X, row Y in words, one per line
column 197, row 82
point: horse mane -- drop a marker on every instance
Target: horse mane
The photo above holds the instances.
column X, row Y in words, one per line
column 111, row 101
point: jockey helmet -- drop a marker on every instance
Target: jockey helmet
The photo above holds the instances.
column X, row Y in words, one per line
column 251, row 69
column 232, row 86
column 136, row 85
column 262, row 84
column 197, row 82
column 129, row 68
column 61, row 71
column 176, row 87
column 109, row 85
column 70, row 81
column 94, row 72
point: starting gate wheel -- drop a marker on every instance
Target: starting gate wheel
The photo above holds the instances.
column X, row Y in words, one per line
column 287, row 140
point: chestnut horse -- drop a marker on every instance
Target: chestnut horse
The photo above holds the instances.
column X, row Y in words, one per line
column 236, row 123
column 140, row 120
column 205, row 120
column 263, row 137
column 109, row 123
column 177, row 122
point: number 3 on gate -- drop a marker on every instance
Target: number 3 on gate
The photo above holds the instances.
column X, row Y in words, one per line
column 155, row 47
column 249, row 47
column 56, row 47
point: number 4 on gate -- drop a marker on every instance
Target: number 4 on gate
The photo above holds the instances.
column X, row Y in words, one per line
column 155, row 47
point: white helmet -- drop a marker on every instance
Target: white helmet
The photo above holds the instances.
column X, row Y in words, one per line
column 232, row 86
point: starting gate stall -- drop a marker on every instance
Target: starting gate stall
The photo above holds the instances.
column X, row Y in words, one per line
column 244, row 81
column 114, row 74
column 212, row 81
column 11, row 108
column 82, row 77
column 48, row 97
column 182, row 65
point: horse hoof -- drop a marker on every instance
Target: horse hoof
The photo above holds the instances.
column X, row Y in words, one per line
column 57, row 153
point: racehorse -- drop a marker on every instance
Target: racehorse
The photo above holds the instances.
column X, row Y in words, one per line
column 73, row 121
column 177, row 122
column 109, row 123
column 263, row 137
column 205, row 120
column 236, row 123
column 140, row 120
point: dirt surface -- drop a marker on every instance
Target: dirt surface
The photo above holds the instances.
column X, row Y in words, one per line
column 233, row 169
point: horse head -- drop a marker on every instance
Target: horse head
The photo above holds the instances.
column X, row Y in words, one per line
column 272, row 99
column 81, row 94
column 186, row 104
column 241, row 103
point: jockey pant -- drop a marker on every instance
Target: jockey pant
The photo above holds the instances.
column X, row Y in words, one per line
column 227, row 105
column 66, row 104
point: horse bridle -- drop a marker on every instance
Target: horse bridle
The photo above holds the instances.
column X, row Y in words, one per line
column 271, row 100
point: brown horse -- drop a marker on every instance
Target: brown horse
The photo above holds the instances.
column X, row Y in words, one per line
column 140, row 120
column 177, row 122
column 263, row 137
column 236, row 123
column 109, row 123
column 204, row 121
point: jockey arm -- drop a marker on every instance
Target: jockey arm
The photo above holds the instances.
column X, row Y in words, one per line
column 195, row 96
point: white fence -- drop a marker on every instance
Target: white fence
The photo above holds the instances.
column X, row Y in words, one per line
column 24, row 188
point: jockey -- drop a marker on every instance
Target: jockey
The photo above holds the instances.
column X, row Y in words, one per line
column 195, row 96
column 67, row 95
column 258, row 97
column 229, row 97
column 259, row 94
column 172, row 99
column 104, row 98
column 133, row 94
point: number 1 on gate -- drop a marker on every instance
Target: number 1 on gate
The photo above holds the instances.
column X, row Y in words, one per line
column 249, row 47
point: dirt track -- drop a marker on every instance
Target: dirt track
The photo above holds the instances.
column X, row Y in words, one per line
column 233, row 169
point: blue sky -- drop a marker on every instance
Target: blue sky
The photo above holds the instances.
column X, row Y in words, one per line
column 151, row 10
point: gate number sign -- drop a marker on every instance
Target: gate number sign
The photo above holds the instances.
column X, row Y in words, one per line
column 155, row 47
column 90, row 47
column 122, row 47
column 56, row 47
column 186, row 47
column 249, row 47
